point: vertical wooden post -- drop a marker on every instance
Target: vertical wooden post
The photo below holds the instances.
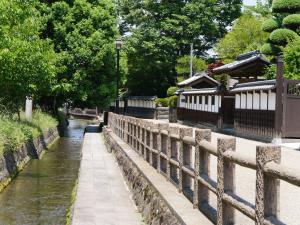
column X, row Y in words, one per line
column 279, row 97
column 267, row 187
column 226, row 181
column 202, row 163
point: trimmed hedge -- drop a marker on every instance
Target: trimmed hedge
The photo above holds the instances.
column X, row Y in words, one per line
column 283, row 36
column 292, row 59
column 292, row 21
column 270, row 49
column 171, row 91
column 285, row 6
column 271, row 24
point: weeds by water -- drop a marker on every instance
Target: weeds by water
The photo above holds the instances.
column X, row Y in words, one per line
column 15, row 132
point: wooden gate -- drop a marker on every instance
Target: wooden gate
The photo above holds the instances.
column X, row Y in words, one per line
column 291, row 108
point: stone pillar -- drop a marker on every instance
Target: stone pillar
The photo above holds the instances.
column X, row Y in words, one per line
column 202, row 162
column 169, row 146
column 226, row 181
column 161, row 126
column 28, row 109
column 267, row 187
column 151, row 146
column 182, row 132
column 145, row 140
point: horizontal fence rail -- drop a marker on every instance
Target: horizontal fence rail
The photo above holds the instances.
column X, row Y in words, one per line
column 182, row 155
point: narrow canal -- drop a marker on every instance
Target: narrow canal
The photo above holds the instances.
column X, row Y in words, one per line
column 42, row 192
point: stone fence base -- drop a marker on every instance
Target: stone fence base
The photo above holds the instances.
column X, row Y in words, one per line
column 158, row 201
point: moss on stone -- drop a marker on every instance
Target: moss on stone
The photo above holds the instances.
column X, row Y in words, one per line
column 283, row 36
column 286, row 6
column 271, row 24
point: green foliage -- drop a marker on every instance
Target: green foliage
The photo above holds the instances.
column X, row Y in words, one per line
column 83, row 32
column 180, row 79
column 171, row 91
column 161, row 32
column 285, row 6
column 261, row 8
column 292, row 59
column 172, row 101
column 270, row 49
column 283, row 36
column 27, row 63
column 183, row 65
column 167, row 102
column 292, row 21
column 14, row 133
column 271, row 24
column 162, row 102
column 246, row 35
column 270, row 72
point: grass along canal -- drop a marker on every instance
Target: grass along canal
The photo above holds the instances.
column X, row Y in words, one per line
column 43, row 192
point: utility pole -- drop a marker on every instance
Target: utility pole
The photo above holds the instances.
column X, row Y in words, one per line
column 119, row 44
column 191, row 60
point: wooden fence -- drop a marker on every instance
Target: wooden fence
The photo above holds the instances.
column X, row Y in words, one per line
column 183, row 157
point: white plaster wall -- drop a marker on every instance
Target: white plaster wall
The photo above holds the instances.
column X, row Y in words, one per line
column 263, row 101
column 237, row 101
column 272, row 100
column 249, row 100
column 243, row 100
column 256, row 103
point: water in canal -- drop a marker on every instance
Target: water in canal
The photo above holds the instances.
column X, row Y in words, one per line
column 42, row 192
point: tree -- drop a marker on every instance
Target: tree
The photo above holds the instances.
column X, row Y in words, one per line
column 167, row 28
column 27, row 63
column 284, row 37
column 292, row 60
column 183, row 65
column 83, row 33
column 283, row 26
column 246, row 35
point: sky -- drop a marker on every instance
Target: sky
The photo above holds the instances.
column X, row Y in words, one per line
column 249, row 2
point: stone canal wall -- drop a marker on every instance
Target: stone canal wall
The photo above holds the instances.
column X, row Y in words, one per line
column 14, row 161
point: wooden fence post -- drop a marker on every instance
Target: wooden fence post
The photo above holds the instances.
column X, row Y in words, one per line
column 202, row 162
column 226, row 181
column 267, row 187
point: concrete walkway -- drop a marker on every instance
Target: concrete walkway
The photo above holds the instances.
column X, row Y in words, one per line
column 102, row 196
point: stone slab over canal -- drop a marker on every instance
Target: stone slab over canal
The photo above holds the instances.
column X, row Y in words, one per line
column 102, row 196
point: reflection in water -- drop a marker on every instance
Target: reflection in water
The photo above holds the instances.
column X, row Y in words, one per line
column 41, row 194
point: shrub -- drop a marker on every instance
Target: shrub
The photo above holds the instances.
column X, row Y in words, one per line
column 162, row 102
column 285, row 6
column 270, row 49
column 14, row 133
column 292, row 21
column 292, row 59
column 283, row 36
column 172, row 101
column 171, row 91
column 271, row 24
